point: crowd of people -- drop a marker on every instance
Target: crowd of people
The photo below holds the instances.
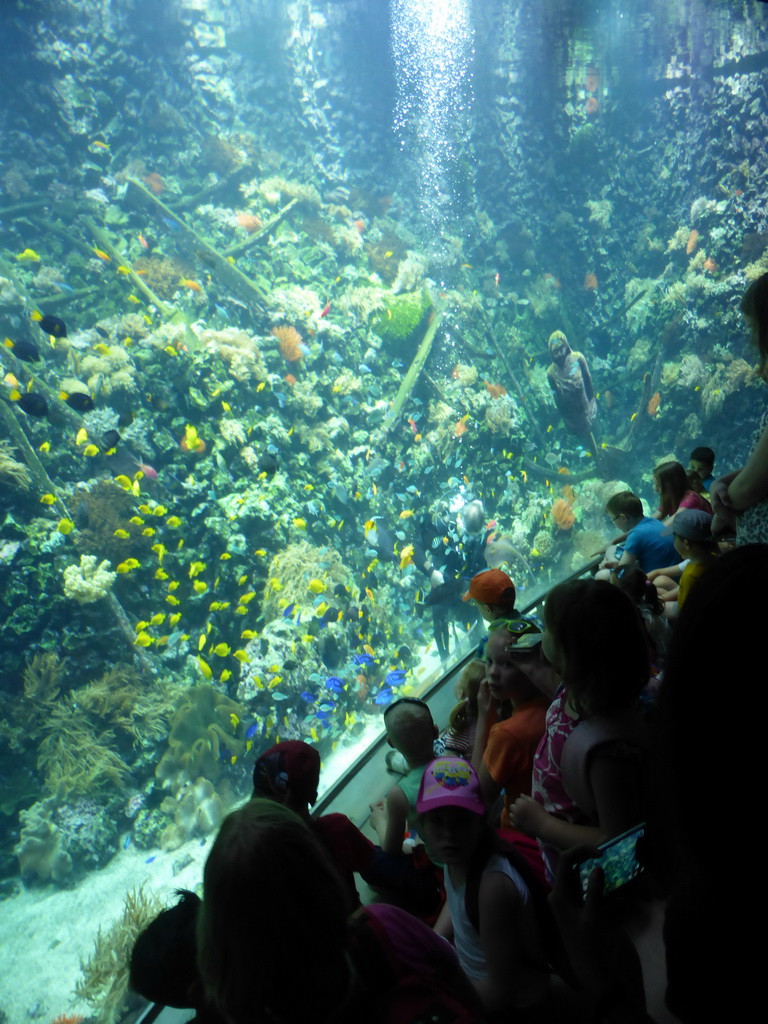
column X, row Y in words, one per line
column 576, row 757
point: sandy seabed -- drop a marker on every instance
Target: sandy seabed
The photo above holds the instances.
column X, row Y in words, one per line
column 46, row 932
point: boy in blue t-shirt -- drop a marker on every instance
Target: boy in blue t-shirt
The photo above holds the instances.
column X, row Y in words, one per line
column 646, row 545
column 702, row 461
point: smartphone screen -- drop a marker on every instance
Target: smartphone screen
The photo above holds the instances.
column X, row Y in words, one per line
column 619, row 858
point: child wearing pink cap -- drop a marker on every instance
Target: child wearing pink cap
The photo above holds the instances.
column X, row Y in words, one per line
column 494, row 923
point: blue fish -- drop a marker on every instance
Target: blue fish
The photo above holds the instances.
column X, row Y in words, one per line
column 335, row 684
column 252, row 731
column 287, row 612
column 308, row 697
column 322, row 715
column 171, row 224
column 225, row 754
column 384, row 696
column 395, row 678
column 363, row 659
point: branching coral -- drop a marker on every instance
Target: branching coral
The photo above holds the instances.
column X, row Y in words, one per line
column 12, row 471
column 562, row 514
column 43, row 677
column 289, row 342
column 162, row 274
column 600, row 211
column 89, row 581
column 238, row 349
column 104, row 981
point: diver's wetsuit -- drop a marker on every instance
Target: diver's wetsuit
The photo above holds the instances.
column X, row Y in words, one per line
column 438, row 546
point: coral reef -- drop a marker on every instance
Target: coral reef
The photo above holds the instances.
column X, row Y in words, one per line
column 401, row 317
column 289, row 342
column 202, row 738
column 600, row 211
column 109, row 371
column 197, row 810
column 89, row 581
column 40, row 848
column 501, row 415
column 104, row 979
column 13, row 472
column 238, row 349
column 291, row 570
column 563, row 515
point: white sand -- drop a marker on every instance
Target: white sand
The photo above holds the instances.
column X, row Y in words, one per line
column 45, row 932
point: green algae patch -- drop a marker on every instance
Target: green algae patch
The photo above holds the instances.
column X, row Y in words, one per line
column 401, row 317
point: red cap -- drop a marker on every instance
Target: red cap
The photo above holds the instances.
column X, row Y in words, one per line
column 491, row 586
column 291, row 763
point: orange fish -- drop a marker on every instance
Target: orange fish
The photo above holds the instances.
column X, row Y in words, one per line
column 693, row 241
column 564, row 471
column 192, row 285
column 590, row 282
column 496, row 390
column 143, row 242
column 710, row 265
column 102, row 255
column 461, row 426
column 359, row 225
column 653, row 405
column 155, row 183
column 289, row 379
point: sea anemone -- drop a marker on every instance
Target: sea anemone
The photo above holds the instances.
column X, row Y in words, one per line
column 563, row 514
column 289, row 341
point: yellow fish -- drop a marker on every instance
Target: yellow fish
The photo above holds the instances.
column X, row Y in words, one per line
column 247, row 598
column 407, row 513
column 81, row 437
column 368, row 649
column 174, row 618
column 225, row 556
column 195, row 569
column 200, row 586
column 172, row 600
column 48, row 499
column 102, row 349
column 136, row 301
column 173, row 522
column 316, row 586
column 124, row 482
column 406, row 556
column 225, row 675
column 122, row 534
column 136, row 520
column 124, row 270
column 143, row 639
column 173, row 585
column 300, row 524
column 205, row 668
column 161, row 551
column 28, row 256
column 90, row 450
column 45, row 446
column 260, row 552
column 222, row 650
column 159, row 510
column 247, row 634
column 65, row 526
column 157, row 618
column 241, row 656
column 234, row 720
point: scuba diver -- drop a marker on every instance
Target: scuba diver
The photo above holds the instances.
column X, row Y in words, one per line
column 450, row 554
